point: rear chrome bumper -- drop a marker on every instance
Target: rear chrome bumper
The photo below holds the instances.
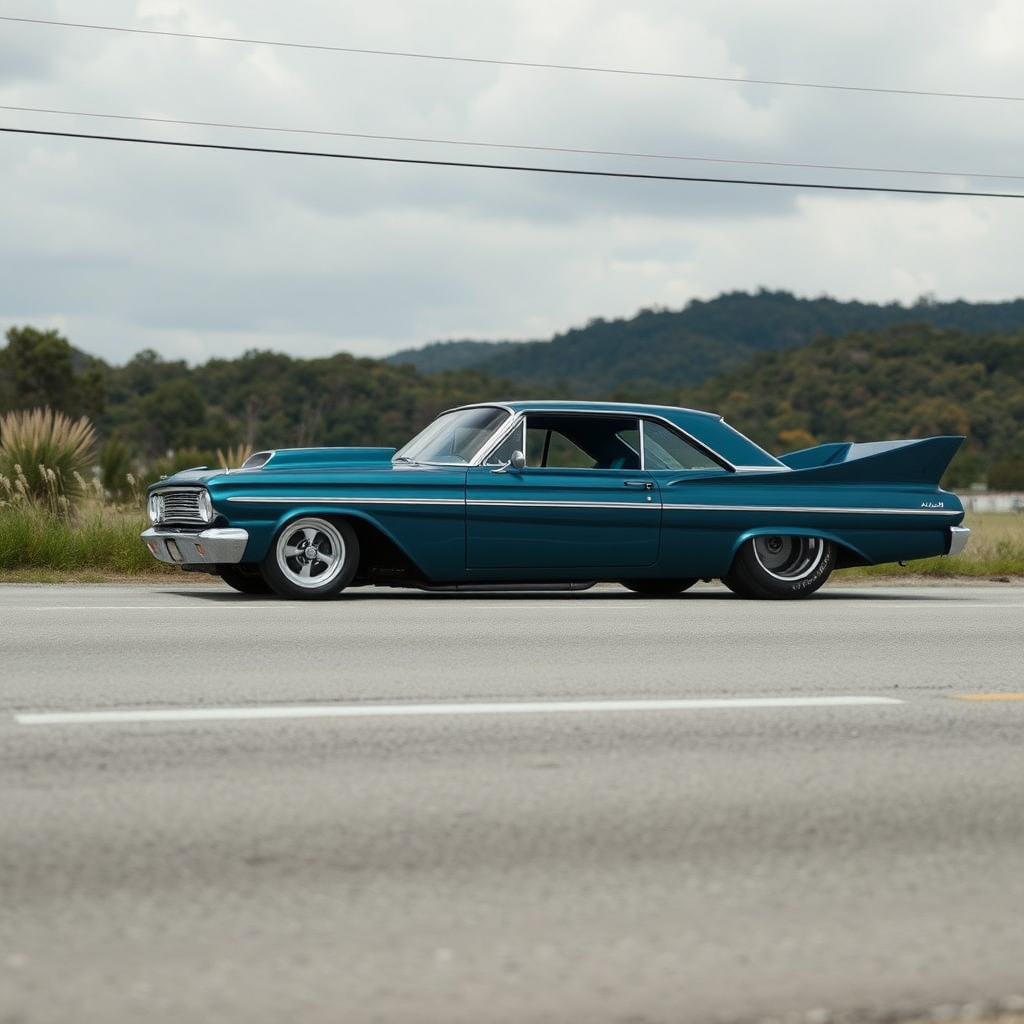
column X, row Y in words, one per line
column 191, row 547
column 958, row 538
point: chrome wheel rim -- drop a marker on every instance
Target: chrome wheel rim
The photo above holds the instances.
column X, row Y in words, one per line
column 310, row 553
column 789, row 558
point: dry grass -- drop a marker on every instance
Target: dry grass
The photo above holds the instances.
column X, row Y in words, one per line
column 995, row 551
column 43, row 455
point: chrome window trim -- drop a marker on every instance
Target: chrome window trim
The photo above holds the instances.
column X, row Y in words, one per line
column 477, row 459
column 516, row 419
column 641, row 417
column 723, row 463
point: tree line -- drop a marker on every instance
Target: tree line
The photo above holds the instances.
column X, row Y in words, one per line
column 911, row 379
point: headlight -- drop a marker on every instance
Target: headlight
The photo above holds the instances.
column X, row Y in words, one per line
column 156, row 507
column 205, row 507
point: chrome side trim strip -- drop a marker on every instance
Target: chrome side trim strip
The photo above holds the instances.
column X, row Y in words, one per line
column 534, row 503
column 318, row 500
column 840, row 510
column 277, row 500
column 563, row 504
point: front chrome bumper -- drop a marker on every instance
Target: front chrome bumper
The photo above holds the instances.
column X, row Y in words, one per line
column 958, row 538
column 188, row 547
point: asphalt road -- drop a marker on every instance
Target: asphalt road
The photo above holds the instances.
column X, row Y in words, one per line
column 589, row 809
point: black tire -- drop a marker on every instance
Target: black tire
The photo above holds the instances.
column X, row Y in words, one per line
column 776, row 567
column 246, row 579
column 658, row 588
column 312, row 558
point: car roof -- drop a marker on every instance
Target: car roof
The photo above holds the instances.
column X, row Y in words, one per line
column 707, row 427
column 670, row 412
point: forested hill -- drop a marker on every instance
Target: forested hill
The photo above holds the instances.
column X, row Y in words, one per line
column 909, row 380
column 664, row 348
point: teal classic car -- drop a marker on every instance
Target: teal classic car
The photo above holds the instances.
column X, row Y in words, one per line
column 544, row 495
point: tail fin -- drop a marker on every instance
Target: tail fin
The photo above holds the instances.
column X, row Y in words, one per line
column 920, row 461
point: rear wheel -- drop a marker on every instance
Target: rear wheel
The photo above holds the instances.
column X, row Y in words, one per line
column 658, row 588
column 312, row 558
column 776, row 566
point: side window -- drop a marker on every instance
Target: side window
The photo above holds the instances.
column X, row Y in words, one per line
column 558, row 440
column 665, row 449
column 553, row 450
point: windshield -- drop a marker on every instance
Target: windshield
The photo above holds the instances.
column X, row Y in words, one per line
column 454, row 436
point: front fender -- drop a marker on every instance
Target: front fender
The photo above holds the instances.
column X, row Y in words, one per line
column 431, row 539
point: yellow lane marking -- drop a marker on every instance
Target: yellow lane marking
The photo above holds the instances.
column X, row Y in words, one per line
column 989, row 696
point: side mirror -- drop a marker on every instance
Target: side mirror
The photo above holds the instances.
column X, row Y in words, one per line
column 516, row 462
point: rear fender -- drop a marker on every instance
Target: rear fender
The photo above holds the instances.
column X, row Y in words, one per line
column 847, row 553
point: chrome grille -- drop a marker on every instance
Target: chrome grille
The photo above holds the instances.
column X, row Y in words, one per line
column 180, row 505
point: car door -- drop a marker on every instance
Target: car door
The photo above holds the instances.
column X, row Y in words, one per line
column 580, row 502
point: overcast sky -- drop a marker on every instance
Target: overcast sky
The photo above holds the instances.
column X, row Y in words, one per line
column 202, row 253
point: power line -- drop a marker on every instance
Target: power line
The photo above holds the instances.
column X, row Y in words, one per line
column 631, row 175
column 513, row 146
column 519, row 63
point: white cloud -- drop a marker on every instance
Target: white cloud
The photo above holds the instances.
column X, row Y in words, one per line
column 203, row 254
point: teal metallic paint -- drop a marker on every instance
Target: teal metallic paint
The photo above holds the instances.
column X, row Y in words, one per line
column 457, row 523
column 427, row 503
column 561, row 519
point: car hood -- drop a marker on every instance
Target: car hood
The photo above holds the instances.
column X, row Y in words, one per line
column 294, row 460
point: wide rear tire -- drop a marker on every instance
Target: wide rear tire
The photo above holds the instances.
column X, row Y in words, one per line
column 777, row 567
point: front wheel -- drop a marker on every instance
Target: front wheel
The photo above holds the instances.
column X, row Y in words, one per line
column 312, row 558
column 246, row 579
column 658, row 588
column 776, row 566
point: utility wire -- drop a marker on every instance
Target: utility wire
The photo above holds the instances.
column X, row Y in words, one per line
column 631, row 175
column 513, row 146
column 518, row 63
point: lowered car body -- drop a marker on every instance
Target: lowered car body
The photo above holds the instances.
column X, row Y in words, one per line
column 544, row 494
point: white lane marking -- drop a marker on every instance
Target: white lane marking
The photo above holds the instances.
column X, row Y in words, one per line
column 520, row 602
column 437, row 710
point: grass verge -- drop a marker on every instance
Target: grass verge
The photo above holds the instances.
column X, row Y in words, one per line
column 994, row 552
column 99, row 543
column 102, row 544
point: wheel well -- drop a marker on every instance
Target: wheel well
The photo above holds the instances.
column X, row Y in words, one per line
column 380, row 558
column 846, row 557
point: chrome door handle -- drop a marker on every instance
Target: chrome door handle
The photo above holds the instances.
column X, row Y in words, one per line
column 645, row 485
